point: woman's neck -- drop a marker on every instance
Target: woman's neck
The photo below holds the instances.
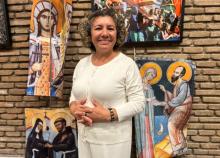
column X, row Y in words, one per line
column 99, row 59
column 45, row 33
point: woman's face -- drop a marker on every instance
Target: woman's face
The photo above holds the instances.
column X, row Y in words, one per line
column 40, row 127
column 103, row 34
column 46, row 20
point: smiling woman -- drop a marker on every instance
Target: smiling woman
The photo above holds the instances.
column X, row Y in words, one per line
column 103, row 33
column 104, row 107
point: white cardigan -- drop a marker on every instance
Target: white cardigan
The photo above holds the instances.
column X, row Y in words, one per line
column 115, row 84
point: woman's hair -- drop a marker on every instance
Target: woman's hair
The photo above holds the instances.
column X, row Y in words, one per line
column 84, row 27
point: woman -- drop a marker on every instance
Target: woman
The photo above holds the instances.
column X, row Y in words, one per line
column 35, row 142
column 107, row 90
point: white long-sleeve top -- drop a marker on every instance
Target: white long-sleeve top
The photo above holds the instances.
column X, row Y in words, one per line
column 115, row 84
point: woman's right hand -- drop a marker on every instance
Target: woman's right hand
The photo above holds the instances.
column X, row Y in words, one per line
column 79, row 110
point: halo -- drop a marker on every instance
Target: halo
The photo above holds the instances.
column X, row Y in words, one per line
column 155, row 66
column 68, row 117
column 176, row 64
column 57, row 5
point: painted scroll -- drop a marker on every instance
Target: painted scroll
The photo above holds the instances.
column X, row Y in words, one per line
column 50, row 134
column 168, row 86
column 49, row 30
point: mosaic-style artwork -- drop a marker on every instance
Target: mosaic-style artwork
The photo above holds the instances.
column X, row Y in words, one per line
column 149, row 21
column 50, row 134
column 50, row 26
column 168, row 86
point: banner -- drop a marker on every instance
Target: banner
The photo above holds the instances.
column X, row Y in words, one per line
column 50, row 134
column 49, row 30
column 168, row 87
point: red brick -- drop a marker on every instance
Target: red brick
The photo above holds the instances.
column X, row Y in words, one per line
column 21, row 85
column 211, row 71
column 30, row 98
column 209, row 146
column 7, row 151
column 6, row 104
column 20, row 38
column 2, row 145
column 17, row 91
column 200, row 138
column 9, row 53
column 15, row 110
column 208, row 85
column 2, row 98
column 7, row 128
column 206, row 63
column 214, row 10
column 201, row 78
column 204, row 18
column 13, row 134
column 3, row 59
column 6, row 85
column 3, row 91
column 208, row 92
column 21, row 72
column 211, row 99
column 14, row 78
column 6, row 72
column 17, row 1
column 12, row 139
column 206, row 3
column 30, row 104
column 3, row 122
column 194, row 10
column 9, row 116
column 215, row 78
column 13, row 98
column 14, row 122
column 14, row 145
column 10, row 66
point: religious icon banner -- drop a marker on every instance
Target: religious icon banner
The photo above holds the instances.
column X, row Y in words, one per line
column 50, row 134
column 49, row 31
column 161, row 130
column 149, row 21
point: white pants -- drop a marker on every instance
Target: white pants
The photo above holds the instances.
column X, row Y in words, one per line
column 90, row 150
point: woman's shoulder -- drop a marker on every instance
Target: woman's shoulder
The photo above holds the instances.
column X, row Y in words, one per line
column 127, row 62
column 84, row 60
column 126, row 59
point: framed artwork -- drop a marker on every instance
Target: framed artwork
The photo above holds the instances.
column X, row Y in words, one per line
column 161, row 130
column 50, row 133
column 5, row 40
column 149, row 21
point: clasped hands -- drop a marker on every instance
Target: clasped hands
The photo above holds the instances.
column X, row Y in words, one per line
column 88, row 115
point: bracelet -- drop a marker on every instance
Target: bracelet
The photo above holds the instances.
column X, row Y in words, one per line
column 112, row 115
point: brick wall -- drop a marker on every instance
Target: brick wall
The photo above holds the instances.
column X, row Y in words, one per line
column 201, row 43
